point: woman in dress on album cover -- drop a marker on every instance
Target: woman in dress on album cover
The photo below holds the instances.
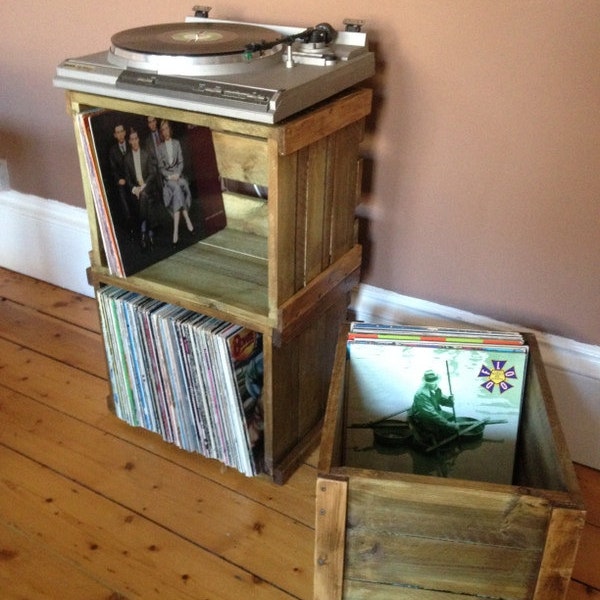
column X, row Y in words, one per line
column 176, row 190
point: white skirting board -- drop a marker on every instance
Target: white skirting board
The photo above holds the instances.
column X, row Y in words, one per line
column 49, row 240
column 45, row 239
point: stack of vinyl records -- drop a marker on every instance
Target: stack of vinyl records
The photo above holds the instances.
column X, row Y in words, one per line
column 437, row 401
column 193, row 379
column 109, row 173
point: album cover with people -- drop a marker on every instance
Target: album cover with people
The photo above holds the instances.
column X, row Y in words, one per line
column 155, row 185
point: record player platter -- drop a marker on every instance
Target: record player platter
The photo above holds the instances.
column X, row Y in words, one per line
column 195, row 49
column 192, row 39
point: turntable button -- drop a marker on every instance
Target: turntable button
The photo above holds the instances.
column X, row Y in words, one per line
column 217, row 89
column 235, row 94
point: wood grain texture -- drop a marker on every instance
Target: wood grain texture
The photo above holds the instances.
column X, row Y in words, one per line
column 90, row 506
column 443, row 539
column 241, row 158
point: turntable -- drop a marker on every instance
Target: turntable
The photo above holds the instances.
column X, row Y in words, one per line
column 261, row 73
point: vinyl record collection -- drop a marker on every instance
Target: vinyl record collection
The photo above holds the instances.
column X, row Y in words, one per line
column 98, row 190
column 193, row 379
column 435, row 400
column 136, row 228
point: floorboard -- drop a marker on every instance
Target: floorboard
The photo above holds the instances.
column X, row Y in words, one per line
column 91, row 508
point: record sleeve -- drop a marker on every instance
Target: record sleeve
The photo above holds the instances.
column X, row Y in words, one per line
column 441, row 409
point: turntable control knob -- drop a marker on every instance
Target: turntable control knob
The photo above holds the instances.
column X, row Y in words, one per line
column 323, row 33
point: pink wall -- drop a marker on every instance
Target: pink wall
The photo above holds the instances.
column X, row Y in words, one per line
column 484, row 148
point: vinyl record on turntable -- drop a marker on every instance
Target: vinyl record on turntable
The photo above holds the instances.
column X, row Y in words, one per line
column 195, row 49
column 192, row 39
column 261, row 73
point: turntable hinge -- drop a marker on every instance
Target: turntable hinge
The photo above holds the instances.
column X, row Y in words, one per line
column 201, row 11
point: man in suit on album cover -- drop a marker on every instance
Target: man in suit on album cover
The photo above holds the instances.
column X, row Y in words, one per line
column 116, row 159
column 153, row 139
column 141, row 173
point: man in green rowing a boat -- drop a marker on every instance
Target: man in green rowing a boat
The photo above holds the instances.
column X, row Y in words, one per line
column 430, row 421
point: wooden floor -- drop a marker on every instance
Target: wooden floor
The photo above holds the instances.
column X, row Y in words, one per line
column 93, row 509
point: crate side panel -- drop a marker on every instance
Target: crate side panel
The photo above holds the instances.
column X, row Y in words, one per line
column 301, row 375
column 312, row 377
column 446, row 538
column 331, row 449
column 283, row 182
column 241, row 158
column 543, row 459
column 247, row 214
column 324, row 120
column 562, row 541
column 344, row 171
column 442, row 565
column 457, row 513
column 536, row 459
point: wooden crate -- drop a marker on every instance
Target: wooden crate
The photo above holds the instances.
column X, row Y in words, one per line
column 382, row 535
column 283, row 266
column 276, row 258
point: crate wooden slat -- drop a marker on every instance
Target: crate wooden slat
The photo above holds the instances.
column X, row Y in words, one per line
column 330, row 536
column 241, row 158
column 300, row 374
column 247, row 215
column 419, row 537
column 345, row 166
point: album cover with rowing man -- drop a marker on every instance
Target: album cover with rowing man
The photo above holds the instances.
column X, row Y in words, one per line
column 442, row 403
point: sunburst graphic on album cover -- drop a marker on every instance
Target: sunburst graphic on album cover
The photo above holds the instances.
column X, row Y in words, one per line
column 497, row 376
